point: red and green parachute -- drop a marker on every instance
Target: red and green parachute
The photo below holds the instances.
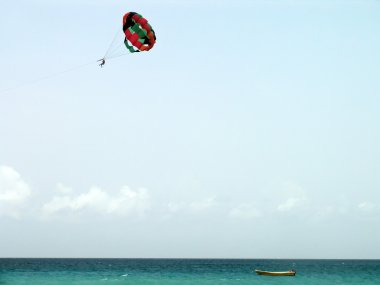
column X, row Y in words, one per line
column 137, row 34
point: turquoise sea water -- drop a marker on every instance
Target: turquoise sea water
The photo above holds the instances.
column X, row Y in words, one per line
column 185, row 271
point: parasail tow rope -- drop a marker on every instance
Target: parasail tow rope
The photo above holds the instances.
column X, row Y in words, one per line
column 46, row 77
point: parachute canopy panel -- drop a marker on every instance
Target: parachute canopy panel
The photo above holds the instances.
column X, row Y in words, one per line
column 139, row 34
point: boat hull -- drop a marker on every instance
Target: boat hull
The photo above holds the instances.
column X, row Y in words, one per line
column 282, row 273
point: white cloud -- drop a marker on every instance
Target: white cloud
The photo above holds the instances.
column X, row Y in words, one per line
column 61, row 188
column 296, row 197
column 291, row 203
column 13, row 189
column 367, row 206
column 124, row 203
column 14, row 192
column 244, row 211
column 203, row 205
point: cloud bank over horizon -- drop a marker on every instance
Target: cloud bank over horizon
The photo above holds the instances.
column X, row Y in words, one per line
column 16, row 196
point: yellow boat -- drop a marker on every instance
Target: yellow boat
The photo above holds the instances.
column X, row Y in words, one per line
column 278, row 273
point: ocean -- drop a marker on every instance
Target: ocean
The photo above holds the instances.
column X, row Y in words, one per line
column 15, row 271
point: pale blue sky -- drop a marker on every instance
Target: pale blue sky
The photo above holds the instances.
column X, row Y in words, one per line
column 250, row 130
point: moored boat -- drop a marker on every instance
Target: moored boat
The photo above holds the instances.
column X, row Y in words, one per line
column 276, row 273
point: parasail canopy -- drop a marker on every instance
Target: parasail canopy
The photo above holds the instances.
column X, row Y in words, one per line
column 139, row 34
column 135, row 36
